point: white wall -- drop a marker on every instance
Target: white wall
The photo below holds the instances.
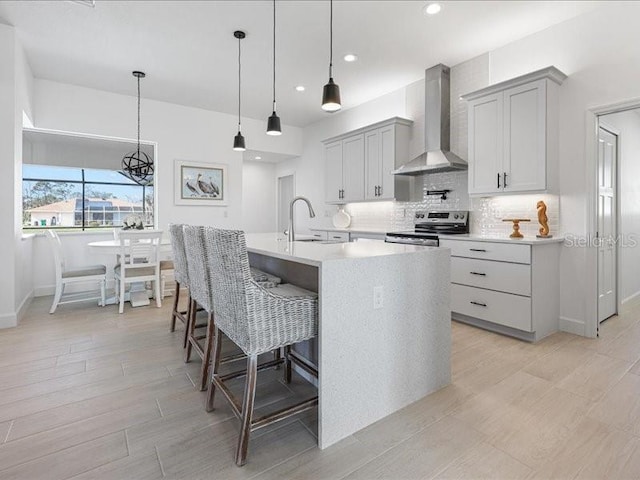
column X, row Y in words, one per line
column 628, row 126
column 16, row 83
column 259, row 196
column 183, row 133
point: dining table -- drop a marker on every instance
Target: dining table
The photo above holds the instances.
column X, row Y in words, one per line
column 138, row 295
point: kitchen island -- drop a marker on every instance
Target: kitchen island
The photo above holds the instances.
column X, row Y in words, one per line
column 384, row 338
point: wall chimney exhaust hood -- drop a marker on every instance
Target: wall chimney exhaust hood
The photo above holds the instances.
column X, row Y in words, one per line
column 437, row 157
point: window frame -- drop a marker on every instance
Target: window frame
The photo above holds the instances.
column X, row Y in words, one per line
column 84, row 183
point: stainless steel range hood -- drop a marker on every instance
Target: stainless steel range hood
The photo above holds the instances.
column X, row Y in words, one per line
column 437, row 156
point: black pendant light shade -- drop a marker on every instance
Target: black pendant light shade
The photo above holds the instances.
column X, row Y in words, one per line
column 273, row 123
column 331, row 91
column 137, row 165
column 331, row 97
column 238, row 141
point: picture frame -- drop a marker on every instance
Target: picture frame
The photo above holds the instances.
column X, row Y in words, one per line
column 200, row 183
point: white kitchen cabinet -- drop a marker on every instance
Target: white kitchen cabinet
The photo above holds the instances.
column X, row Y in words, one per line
column 513, row 135
column 333, row 172
column 510, row 288
column 358, row 164
column 344, row 170
column 380, row 155
column 353, row 168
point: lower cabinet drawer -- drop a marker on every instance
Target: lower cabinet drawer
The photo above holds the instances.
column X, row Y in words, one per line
column 338, row 236
column 502, row 308
column 501, row 276
column 320, row 235
column 502, row 252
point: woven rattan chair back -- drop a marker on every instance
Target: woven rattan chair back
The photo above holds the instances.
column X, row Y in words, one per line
column 199, row 284
column 180, row 272
column 231, row 276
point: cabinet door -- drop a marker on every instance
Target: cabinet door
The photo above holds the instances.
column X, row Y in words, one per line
column 387, row 162
column 525, row 137
column 372, row 164
column 485, row 144
column 353, row 168
column 333, row 172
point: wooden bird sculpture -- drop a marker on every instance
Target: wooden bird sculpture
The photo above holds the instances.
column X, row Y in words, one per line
column 205, row 187
column 543, row 220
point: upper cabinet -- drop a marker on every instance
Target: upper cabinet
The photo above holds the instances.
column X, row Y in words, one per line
column 358, row 164
column 513, row 135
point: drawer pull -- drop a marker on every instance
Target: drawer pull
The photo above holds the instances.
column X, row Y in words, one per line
column 478, row 273
column 478, row 250
column 478, row 303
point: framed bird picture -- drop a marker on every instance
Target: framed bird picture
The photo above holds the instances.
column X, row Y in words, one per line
column 199, row 183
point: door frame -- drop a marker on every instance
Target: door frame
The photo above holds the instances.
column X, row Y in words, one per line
column 279, row 175
column 616, row 192
column 592, row 123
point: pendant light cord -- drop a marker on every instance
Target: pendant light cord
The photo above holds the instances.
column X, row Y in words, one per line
column 330, row 38
column 239, row 83
column 138, row 117
column 274, row 55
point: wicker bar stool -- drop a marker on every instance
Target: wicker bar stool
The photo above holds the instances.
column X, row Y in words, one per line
column 200, row 297
column 258, row 320
column 181, row 277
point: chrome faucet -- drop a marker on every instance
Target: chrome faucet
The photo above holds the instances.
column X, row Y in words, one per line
column 290, row 235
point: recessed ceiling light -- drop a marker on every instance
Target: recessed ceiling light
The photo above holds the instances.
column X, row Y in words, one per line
column 432, row 8
column 258, row 158
column 350, row 57
column 300, row 88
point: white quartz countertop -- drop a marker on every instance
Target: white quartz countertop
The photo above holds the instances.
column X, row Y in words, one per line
column 351, row 230
column 315, row 253
column 495, row 239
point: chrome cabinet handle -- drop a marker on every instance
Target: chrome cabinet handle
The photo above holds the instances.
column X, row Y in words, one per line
column 498, row 180
column 504, row 179
column 379, row 190
column 478, row 273
column 478, row 303
column 477, row 250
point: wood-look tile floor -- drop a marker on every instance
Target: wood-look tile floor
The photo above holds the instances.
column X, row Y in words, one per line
column 91, row 394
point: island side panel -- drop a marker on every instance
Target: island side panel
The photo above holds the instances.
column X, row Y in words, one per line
column 374, row 362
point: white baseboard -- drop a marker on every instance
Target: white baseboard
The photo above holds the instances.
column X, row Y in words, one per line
column 630, row 302
column 24, row 305
column 10, row 320
column 571, row 325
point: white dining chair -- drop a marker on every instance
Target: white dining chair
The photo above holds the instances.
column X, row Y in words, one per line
column 139, row 261
column 65, row 276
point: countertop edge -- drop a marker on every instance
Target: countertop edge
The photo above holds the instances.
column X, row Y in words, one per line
column 522, row 241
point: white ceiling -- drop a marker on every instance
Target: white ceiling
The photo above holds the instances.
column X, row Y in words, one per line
column 188, row 51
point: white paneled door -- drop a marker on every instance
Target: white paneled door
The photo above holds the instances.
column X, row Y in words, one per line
column 607, row 228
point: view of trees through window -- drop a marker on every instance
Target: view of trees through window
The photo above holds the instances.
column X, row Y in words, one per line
column 64, row 197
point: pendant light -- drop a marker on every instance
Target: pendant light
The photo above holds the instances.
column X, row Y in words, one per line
column 238, row 140
column 331, row 91
column 273, row 124
column 137, row 165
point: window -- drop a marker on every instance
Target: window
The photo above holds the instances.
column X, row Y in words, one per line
column 81, row 198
